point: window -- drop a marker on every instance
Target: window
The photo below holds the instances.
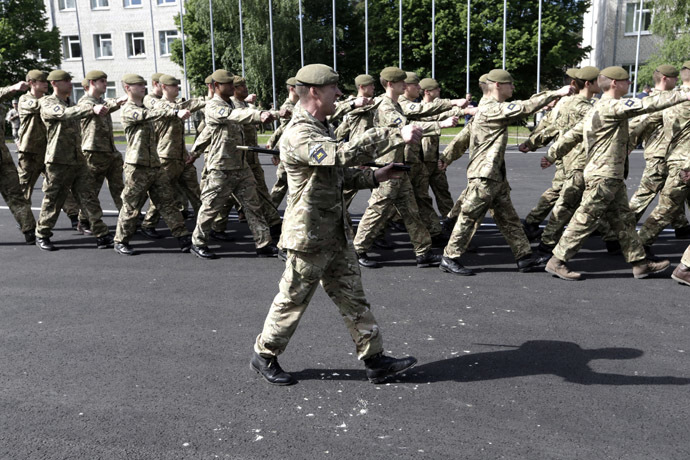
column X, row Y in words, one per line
column 166, row 38
column 71, row 48
column 166, row 2
column 135, row 44
column 66, row 5
column 99, row 4
column 632, row 18
column 77, row 93
column 110, row 91
column 131, row 3
column 103, row 45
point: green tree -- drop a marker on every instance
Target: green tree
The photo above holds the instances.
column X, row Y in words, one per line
column 25, row 41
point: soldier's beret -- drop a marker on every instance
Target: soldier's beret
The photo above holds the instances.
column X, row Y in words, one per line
column 133, row 79
column 59, row 75
column 85, row 83
column 572, row 72
column 411, row 78
column 364, row 80
column 208, row 80
column 316, row 75
column 686, row 65
column 482, row 79
column 156, row 77
column 222, row 76
column 393, row 74
column 292, row 81
column 237, row 81
column 499, row 76
column 587, row 73
column 428, row 84
column 615, row 73
column 37, row 75
column 95, row 75
column 168, row 80
column 667, row 70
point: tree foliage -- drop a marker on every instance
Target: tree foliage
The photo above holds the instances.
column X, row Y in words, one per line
column 561, row 27
column 25, row 41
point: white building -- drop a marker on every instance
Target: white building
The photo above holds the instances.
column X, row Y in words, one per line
column 117, row 37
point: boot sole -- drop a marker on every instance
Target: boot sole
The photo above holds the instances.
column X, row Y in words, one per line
column 681, row 281
column 204, row 257
column 383, row 379
column 433, row 264
column 561, row 277
column 251, row 366
column 448, row 270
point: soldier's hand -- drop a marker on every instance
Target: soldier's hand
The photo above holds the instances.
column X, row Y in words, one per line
column 20, row 86
column 442, row 165
column 523, row 148
column 250, row 99
column 387, row 173
column 190, row 160
column 472, row 111
column 411, row 134
column 545, row 163
column 184, row 114
column 275, row 159
column 462, row 103
column 362, row 101
column 100, row 109
column 266, row 117
column 449, row 122
column 284, row 113
column 564, row 91
column 121, row 100
column 685, row 176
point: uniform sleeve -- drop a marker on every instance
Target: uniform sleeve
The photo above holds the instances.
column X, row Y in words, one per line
column 633, row 107
column 51, row 110
column 459, row 145
column 566, row 143
column 643, row 127
column 275, row 137
column 28, row 106
column 358, row 179
column 520, row 109
column 193, row 104
column 112, row 105
column 202, row 142
column 222, row 114
column 418, row 110
column 543, row 133
column 342, row 132
column 132, row 115
column 6, row 93
column 342, row 108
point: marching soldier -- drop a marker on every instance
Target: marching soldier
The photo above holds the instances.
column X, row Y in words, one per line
column 280, row 187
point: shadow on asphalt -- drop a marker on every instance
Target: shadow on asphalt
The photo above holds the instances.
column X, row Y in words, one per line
column 535, row 357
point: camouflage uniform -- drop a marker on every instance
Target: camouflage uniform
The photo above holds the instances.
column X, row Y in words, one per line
column 11, row 191
column 488, row 187
column 605, row 133
column 227, row 171
column 675, row 192
column 316, row 234
column 173, row 157
column 66, row 167
column 396, row 194
column 438, row 180
column 143, row 173
column 280, row 188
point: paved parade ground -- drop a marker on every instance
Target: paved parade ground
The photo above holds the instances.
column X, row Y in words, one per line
column 147, row 357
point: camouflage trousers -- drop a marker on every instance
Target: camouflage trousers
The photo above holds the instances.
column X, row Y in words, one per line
column 142, row 182
column 217, row 186
column 280, row 188
column 438, row 181
column 457, row 206
column 651, row 183
column 419, row 178
column 338, row 272
column 269, row 211
column 59, row 180
column 105, row 166
column 484, row 195
column 349, row 195
column 13, row 195
column 391, row 196
column 603, row 198
column 671, row 202
column 185, row 185
column 30, row 166
column 685, row 260
column 548, row 199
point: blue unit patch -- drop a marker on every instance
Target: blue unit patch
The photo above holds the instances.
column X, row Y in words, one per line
column 398, row 121
column 511, row 106
column 629, row 102
column 135, row 115
column 221, row 111
column 319, row 154
column 411, row 106
column 56, row 109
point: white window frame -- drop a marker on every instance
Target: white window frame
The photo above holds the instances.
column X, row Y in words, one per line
column 166, row 2
column 128, row 4
column 77, row 92
column 67, row 41
column 62, row 5
column 636, row 18
column 129, row 44
column 111, row 90
column 97, row 39
column 167, row 41
column 106, row 7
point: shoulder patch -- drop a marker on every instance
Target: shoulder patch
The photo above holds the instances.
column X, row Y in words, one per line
column 135, row 115
column 411, row 106
column 318, row 153
column 56, row 109
column 630, row 102
column 221, row 111
column 397, row 121
column 511, row 106
column 30, row 103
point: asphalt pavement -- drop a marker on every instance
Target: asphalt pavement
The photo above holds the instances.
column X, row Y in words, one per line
column 147, row 357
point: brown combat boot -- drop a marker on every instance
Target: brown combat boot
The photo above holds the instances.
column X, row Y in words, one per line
column 558, row 268
column 646, row 267
column 681, row 274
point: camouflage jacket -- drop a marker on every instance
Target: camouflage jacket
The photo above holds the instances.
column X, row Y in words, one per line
column 648, row 129
column 63, row 130
column 390, row 115
column 32, row 131
column 250, row 132
column 605, row 132
column 358, row 120
column 6, row 94
column 420, row 110
column 489, row 135
column 97, row 131
column 150, row 100
column 275, row 138
column 677, row 132
column 318, row 168
column 170, row 130
column 140, row 133
column 461, row 142
column 437, row 110
column 223, row 133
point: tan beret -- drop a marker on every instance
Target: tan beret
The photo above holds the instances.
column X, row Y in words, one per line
column 133, row 79
column 393, row 74
column 499, row 76
column 37, row 75
column 316, row 75
column 572, row 72
column 208, row 80
column 615, row 73
column 292, row 81
column 95, row 75
column 238, row 81
column 587, row 73
column 686, row 65
column 364, row 80
column 668, row 70
column 222, row 76
column 156, row 76
column 411, row 78
column 428, row 84
column 168, row 80
column 59, row 75
column 482, row 79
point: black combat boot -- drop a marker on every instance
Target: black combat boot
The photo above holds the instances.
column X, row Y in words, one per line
column 124, row 249
column 530, row 263
column 30, row 237
column 151, row 232
column 105, row 241
column 380, row 367
column 428, row 259
column 185, row 243
column 74, row 220
column 532, row 231
column 45, row 244
column 454, row 266
column 270, row 370
column 366, row 262
column 270, row 250
column 203, row 252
